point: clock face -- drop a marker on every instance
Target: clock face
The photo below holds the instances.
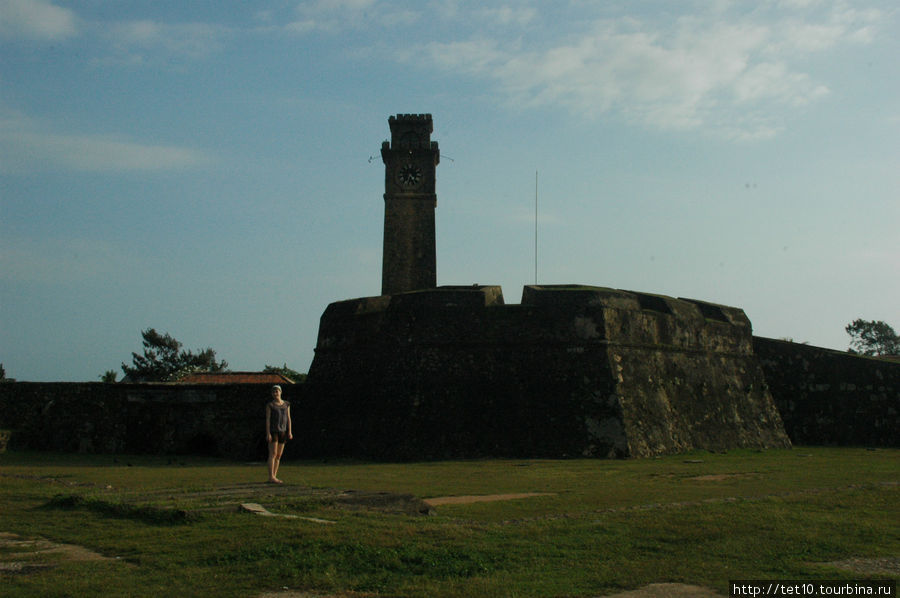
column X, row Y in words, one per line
column 409, row 175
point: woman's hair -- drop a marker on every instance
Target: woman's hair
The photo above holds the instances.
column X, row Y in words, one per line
column 274, row 387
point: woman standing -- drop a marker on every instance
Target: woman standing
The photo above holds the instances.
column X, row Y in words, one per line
column 278, row 431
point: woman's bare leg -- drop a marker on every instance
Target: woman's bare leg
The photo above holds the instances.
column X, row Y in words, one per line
column 275, row 451
column 274, row 459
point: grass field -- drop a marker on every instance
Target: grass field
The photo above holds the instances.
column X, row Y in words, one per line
column 598, row 527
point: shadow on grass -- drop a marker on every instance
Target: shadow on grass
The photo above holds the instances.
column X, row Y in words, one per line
column 145, row 514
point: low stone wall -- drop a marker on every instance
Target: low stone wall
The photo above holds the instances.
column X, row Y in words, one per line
column 830, row 397
column 216, row 420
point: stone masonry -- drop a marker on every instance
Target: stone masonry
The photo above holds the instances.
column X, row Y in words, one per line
column 572, row 371
column 410, row 160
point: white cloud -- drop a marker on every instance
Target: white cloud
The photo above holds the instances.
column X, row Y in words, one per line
column 37, row 152
column 52, row 260
column 132, row 42
column 191, row 40
column 36, row 19
column 342, row 5
column 774, row 81
column 807, row 37
column 328, row 15
column 332, row 16
column 730, row 74
column 26, row 147
column 508, row 15
column 800, row 33
column 474, row 57
column 303, row 26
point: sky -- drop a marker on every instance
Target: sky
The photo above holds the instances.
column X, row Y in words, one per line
column 212, row 169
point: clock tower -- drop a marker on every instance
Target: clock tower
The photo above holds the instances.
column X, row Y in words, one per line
column 410, row 161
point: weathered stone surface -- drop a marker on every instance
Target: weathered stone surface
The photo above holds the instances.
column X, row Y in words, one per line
column 93, row 417
column 832, row 397
column 571, row 371
column 410, row 160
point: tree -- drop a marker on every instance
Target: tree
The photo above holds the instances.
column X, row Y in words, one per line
column 164, row 360
column 872, row 338
column 109, row 376
column 285, row 371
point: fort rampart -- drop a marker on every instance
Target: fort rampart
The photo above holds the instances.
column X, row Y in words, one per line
column 829, row 397
column 571, row 371
column 93, row 417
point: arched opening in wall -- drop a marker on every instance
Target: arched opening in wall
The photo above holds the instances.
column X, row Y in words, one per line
column 201, row 445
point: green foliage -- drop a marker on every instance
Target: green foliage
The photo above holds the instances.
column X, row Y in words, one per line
column 109, row 376
column 164, row 360
column 286, row 371
column 873, row 337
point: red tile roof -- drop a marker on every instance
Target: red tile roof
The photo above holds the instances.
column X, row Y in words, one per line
column 235, row 378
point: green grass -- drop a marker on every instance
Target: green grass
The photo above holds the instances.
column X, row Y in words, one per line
column 606, row 526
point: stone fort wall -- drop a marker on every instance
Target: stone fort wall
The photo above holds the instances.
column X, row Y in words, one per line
column 582, row 372
column 830, row 397
column 571, row 371
column 218, row 420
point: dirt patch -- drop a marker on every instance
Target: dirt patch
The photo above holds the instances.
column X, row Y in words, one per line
column 298, row 594
column 719, row 477
column 878, row 566
column 69, row 552
column 258, row 509
column 18, row 554
column 668, row 590
column 178, row 505
column 655, row 590
column 460, row 500
column 387, row 502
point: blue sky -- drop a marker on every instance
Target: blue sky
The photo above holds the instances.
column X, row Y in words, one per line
column 212, row 169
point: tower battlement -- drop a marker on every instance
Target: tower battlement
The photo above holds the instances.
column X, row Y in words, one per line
column 405, row 117
column 410, row 132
